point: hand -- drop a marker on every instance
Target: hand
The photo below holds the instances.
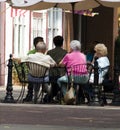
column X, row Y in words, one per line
column 17, row 60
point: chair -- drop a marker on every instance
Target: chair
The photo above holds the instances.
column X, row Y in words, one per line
column 108, row 87
column 80, row 77
column 56, row 72
column 29, row 72
column 22, row 72
column 99, row 87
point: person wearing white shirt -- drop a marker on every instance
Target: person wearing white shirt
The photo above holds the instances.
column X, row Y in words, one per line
column 40, row 57
column 103, row 65
column 103, row 62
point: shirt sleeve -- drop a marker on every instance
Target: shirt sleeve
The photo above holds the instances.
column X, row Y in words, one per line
column 52, row 62
column 24, row 59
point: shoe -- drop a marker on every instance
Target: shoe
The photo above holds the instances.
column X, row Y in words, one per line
column 59, row 96
column 46, row 99
column 27, row 99
column 81, row 101
column 55, row 100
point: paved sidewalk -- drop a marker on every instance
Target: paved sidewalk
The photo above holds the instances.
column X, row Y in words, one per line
column 58, row 117
column 49, row 127
column 23, row 116
column 15, row 92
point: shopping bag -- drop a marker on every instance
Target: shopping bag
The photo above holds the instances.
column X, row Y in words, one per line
column 69, row 97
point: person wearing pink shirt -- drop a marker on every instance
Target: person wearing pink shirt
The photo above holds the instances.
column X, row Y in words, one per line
column 75, row 57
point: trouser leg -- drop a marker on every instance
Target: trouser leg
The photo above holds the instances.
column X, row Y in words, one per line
column 62, row 82
column 81, row 96
column 55, row 89
column 30, row 89
column 88, row 92
column 29, row 95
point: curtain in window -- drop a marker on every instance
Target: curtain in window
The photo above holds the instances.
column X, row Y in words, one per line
column 68, row 30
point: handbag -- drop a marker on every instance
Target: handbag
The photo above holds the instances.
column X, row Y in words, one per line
column 69, row 97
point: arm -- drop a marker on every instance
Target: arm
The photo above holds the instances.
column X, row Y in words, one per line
column 64, row 61
column 52, row 62
column 61, row 63
column 18, row 60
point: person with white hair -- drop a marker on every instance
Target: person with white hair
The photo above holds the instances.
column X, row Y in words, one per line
column 75, row 57
column 40, row 57
column 103, row 61
column 103, row 64
column 29, row 94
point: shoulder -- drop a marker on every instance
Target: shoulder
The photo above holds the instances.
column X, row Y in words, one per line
column 51, row 50
column 104, row 60
column 82, row 54
column 68, row 54
column 48, row 56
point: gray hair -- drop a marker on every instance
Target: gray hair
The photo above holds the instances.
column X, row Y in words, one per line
column 75, row 45
column 40, row 46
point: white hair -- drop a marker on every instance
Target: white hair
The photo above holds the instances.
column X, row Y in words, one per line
column 40, row 46
column 75, row 45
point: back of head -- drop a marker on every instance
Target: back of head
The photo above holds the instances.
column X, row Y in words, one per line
column 58, row 41
column 75, row 45
column 101, row 49
column 41, row 47
column 36, row 40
